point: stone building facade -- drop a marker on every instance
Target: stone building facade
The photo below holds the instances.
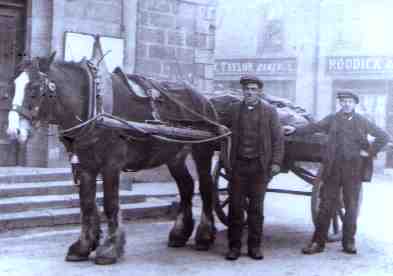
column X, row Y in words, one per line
column 175, row 40
column 164, row 39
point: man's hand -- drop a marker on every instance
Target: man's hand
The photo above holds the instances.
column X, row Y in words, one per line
column 288, row 130
column 275, row 170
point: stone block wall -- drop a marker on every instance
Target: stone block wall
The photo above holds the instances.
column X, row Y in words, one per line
column 175, row 41
column 164, row 39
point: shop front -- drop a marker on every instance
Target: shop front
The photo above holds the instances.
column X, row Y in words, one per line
column 278, row 74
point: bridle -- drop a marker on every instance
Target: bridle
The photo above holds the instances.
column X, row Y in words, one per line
column 46, row 89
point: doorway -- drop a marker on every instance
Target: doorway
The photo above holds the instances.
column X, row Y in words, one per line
column 12, row 37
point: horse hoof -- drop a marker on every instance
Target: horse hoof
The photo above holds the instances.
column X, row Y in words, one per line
column 104, row 260
column 109, row 252
column 202, row 246
column 77, row 252
column 176, row 243
column 76, row 258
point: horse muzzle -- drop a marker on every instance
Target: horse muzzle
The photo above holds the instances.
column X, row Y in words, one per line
column 18, row 128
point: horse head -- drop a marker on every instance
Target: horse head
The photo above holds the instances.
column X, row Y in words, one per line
column 35, row 97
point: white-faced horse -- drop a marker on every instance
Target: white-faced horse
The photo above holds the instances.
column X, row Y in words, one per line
column 56, row 92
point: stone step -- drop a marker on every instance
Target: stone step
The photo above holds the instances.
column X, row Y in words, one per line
column 151, row 208
column 39, row 176
column 40, row 188
column 25, row 203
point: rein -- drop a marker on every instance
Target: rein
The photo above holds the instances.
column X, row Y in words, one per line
column 48, row 89
column 97, row 118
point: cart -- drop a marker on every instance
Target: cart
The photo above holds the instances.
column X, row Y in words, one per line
column 303, row 157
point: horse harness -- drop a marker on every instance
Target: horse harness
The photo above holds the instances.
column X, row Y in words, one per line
column 47, row 88
column 78, row 133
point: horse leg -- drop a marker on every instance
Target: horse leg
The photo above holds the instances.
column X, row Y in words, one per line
column 206, row 231
column 113, row 247
column 90, row 220
column 184, row 224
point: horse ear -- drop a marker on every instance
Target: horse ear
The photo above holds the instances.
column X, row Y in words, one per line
column 51, row 58
column 35, row 64
column 33, row 68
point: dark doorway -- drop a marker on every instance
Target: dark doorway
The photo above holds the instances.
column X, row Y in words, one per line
column 12, row 38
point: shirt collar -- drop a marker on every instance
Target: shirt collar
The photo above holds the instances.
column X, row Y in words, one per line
column 347, row 116
column 250, row 106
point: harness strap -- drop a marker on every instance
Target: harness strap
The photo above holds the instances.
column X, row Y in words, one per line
column 102, row 79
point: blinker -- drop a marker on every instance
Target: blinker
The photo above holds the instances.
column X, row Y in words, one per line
column 52, row 86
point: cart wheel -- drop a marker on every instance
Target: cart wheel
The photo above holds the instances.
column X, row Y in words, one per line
column 335, row 232
column 221, row 198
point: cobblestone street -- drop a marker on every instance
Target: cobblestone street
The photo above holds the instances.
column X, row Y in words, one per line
column 288, row 228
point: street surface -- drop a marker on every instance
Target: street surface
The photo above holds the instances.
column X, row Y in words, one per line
column 288, row 228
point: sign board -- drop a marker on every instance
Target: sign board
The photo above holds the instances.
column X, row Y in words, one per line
column 78, row 46
column 359, row 65
column 262, row 67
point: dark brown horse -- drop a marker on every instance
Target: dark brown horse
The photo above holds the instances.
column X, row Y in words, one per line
column 56, row 92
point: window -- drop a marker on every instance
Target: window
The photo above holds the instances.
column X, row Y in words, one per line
column 78, row 46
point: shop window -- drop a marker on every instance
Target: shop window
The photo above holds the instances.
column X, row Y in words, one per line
column 272, row 39
column 78, row 46
column 373, row 107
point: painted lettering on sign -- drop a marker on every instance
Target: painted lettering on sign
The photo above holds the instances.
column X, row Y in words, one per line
column 286, row 66
column 359, row 64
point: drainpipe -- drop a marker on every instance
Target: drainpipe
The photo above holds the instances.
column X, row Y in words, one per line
column 316, row 58
column 129, row 29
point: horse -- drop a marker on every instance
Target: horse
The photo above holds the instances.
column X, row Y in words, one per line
column 55, row 92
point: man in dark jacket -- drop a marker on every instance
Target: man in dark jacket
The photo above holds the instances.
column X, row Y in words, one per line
column 256, row 155
column 343, row 167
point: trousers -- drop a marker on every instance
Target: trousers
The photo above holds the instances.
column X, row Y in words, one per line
column 344, row 179
column 247, row 190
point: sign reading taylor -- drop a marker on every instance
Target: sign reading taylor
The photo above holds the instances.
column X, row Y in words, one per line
column 263, row 66
column 359, row 64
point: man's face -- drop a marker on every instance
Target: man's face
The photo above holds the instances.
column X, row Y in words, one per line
column 347, row 105
column 251, row 93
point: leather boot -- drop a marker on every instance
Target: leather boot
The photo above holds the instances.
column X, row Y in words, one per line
column 255, row 253
column 233, row 254
column 313, row 248
column 349, row 247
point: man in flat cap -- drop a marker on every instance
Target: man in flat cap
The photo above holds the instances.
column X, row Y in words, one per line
column 256, row 155
column 343, row 167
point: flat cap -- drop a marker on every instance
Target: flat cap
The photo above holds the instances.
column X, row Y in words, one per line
column 346, row 93
column 251, row 79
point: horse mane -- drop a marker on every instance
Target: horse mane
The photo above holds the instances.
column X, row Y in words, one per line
column 69, row 64
column 64, row 67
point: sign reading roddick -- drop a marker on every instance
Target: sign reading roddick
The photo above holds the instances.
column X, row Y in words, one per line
column 359, row 64
column 265, row 66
